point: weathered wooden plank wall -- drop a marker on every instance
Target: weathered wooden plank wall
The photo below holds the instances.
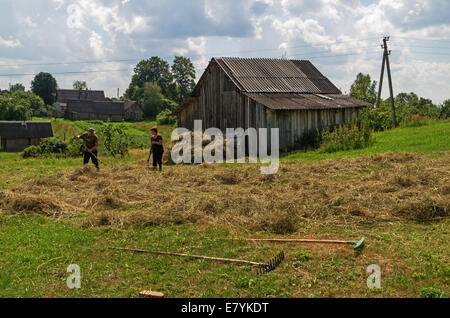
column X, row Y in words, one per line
column 220, row 104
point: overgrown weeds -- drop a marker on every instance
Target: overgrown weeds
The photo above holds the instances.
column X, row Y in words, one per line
column 346, row 137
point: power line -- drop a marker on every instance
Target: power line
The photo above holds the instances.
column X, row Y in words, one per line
column 192, row 56
column 416, row 39
column 65, row 73
column 337, row 55
column 128, row 70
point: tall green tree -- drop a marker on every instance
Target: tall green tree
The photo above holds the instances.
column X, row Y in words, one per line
column 79, row 85
column 14, row 109
column 445, row 109
column 17, row 87
column 151, row 70
column 151, row 99
column 184, row 74
column 364, row 89
column 44, row 85
column 29, row 100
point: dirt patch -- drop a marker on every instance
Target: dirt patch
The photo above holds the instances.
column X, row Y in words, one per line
column 393, row 187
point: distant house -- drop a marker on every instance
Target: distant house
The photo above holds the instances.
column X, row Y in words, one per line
column 95, row 110
column 18, row 135
column 133, row 111
column 93, row 105
column 291, row 95
column 64, row 95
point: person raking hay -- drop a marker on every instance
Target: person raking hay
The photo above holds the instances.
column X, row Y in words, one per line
column 90, row 142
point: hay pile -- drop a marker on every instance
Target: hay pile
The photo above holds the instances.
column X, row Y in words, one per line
column 341, row 192
column 210, row 145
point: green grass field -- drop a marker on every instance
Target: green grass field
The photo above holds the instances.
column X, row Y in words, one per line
column 423, row 139
column 35, row 250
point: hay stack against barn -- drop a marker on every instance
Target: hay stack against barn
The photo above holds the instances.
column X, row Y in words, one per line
column 291, row 95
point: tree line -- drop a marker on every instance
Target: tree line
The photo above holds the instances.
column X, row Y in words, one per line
column 159, row 88
column 409, row 107
column 156, row 86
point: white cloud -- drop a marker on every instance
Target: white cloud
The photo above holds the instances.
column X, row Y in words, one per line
column 10, row 43
column 96, row 44
column 61, row 30
column 30, row 23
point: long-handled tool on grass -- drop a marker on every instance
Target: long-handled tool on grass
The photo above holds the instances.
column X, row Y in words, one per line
column 358, row 245
column 262, row 267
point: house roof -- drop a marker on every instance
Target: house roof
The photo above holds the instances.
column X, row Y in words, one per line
column 293, row 101
column 27, row 129
column 96, row 107
column 129, row 104
column 63, row 95
column 262, row 75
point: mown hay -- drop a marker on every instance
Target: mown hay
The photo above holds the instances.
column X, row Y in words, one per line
column 209, row 145
column 380, row 188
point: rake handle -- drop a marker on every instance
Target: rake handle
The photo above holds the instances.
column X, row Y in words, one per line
column 87, row 149
column 219, row 259
column 300, row 241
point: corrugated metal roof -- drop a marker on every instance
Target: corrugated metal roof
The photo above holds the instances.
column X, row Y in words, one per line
column 63, row 95
column 293, row 101
column 25, row 129
column 261, row 75
column 96, row 107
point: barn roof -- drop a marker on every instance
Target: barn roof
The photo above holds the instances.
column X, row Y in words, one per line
column 25, row 129
column 63, row 95
column 96, row 107
column 279, row 84
column 262, row 75
column 283, row 101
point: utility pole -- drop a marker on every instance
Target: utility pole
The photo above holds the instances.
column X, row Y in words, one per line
column 391, row 90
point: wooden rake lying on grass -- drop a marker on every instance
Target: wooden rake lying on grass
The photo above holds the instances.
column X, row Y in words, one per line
column 261, row 270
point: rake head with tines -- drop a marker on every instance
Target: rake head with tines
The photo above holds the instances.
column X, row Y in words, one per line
column 271, row 265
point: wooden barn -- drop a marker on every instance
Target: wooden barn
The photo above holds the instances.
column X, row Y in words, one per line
column 291, row 95
column 18, row 135
column 95, row 110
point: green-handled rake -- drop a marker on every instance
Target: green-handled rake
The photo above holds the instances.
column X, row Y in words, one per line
column 262, row 267
column 358, row 245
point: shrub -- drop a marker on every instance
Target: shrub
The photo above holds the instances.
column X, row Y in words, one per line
column 165, row 117
column 74, row 148
column 346, row 137
column 52, row 145
column 31, row 152
column 414, row 121
column 48, row 146
column 115, row 139
column 377, row 119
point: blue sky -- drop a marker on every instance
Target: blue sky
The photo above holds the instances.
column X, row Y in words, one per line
column 106, row 39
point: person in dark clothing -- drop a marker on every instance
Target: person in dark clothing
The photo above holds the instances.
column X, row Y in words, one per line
column 156, row 149
column 90, row 142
